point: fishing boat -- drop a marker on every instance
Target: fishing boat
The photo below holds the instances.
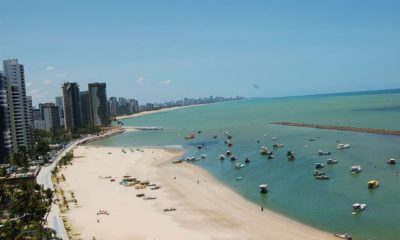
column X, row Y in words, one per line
column 342, row 146
column 233, row 158
column 331, row 161
column 203, row 156
column 359, row 207
column 319, row 165
column 290, row 155
column 247, row 160
column 239, row 178
column 274, row 138
column 322, row 177
column 228, row 153
column 264, row 150
column 200, row 146
column 230, row 144
column 321, row 153
column 343, row 236
column 278, row 145
column 215, row 136
column 270, row 156
column 391, row 161
column 355, row 169
column 191, row 136
column 318, row 173
column 263, row 188
column 239, row 165
column 221, row 157
column 373, row 184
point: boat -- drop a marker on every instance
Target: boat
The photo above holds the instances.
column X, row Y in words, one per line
column 321, row 153
column 359, row 207
column 342, row 146
column 247, row 160
column 343, row 236
column 322, row 177
column 239, row 165
column 270, row 156
column 233, row 158
column 274, row 138
column 221, row 157
column 391, row 161
column 228, row 153
column 312, row 139
column 319, row 165
column 318, row 173
column 373, row 184
column 264, row 150
column 230, row 144
column 191, row 136
column 290, row 155
column 278, row 145
column 203, row 156
column 331, row 161
column 200, row 146
column 355, row 169
column 229, row 137
column 239, row 178
column 226, row 141
column 263, row 188
column 215, row 136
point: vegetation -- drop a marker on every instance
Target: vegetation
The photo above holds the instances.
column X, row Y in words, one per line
column 22, row 210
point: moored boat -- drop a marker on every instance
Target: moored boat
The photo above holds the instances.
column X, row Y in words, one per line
column 355, row 169
column 373, row 184
column 203, row 156
column 278, row 145
column 318, row 173
column 264, row 150
column 319, row 165
column 391, row 161
column 322, row 177
column 343, row 236
column 342, row 146
column 228, row 153
column 359, row 207
column 263, row 188
column 191, row 136
column 247, row 160
column 290, row 155
column 239, row 165
column 331, row 161
column 322, row 153
column 233, row 158
column 221, row 157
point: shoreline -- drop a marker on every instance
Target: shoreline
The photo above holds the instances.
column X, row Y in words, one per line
column 154, row 111
column 206, row 209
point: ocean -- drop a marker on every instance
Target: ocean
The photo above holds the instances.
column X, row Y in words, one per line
column 324, row 204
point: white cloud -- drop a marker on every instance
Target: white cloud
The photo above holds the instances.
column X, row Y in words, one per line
column 47, row 82
column 140, row 80
column 37, row 94
column 61, row 75
column 166, row 82
column 49, row 68
column 28, row 84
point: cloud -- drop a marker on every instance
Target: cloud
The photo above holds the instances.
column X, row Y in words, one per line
column 61, row 75
column 140, row 80
column 166, row 82
column 49, row 68
column 28, row 84
column 37, row 94
column 47, row 82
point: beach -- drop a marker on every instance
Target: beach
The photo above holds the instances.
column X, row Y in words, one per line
column 144, row 113
column 205, row 208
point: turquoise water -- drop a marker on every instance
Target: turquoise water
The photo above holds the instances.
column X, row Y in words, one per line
column 293, row 190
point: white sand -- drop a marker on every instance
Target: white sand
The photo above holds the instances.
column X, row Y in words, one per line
column 155, row 111
column 205, row 210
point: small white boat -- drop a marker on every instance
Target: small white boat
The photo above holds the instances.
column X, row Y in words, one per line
column 343, row 236
column 359, row 207
column 342, row 146
column 221, row 157
column 239, row 165
column 331, row 161
column 391, row 161
column 239, row 178
column 355, row 169
column 274, row 138
column 321, row 153
column 263, row 188
column 203, row 156
column 278, row 145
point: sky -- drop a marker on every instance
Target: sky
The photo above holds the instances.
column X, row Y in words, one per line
column 164, row 50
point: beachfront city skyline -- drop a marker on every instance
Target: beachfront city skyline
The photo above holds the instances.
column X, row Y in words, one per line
column 170, row 50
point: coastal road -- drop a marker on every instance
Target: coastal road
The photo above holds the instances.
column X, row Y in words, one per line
column 54, row 219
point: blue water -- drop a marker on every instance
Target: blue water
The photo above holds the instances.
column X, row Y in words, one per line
column 293, row 190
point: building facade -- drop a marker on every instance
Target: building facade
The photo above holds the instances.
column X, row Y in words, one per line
column 51, row 116
column 72, row 109
column 113, row 102
column 85, row 108
column 98, row 104
column 19, row 112
column 60, row 105
column 5, row 137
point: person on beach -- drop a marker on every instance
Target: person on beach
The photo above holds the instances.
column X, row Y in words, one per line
column 262, row 208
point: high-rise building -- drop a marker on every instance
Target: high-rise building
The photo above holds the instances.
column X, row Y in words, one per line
column 72, row 109
column 122, row 106
column 60, row 105
column 50, row 116
column 85, row 108
column 19, row 112
column 113, row 106
column 5, row 137
column 98, row 104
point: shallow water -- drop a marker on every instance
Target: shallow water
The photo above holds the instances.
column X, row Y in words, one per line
column 325, row 204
